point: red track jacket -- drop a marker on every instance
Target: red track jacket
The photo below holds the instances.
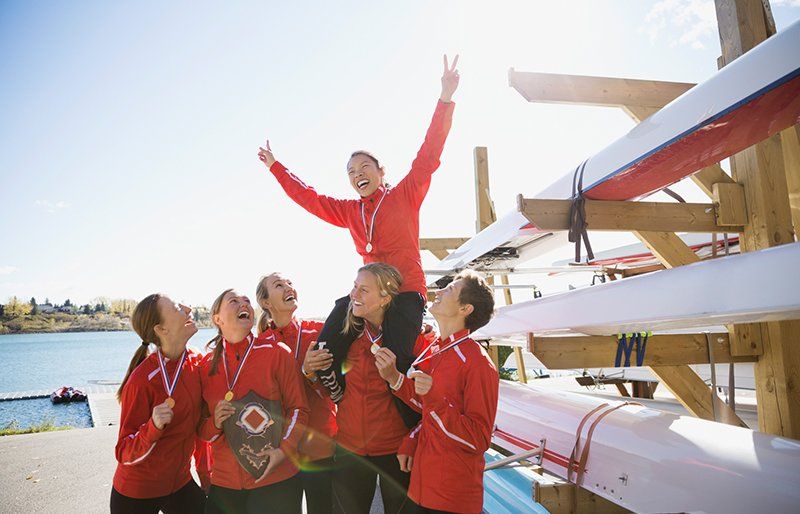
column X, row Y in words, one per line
column 396, row 235
column 456, row 428
column 369, row 424
column 152, row 462
column 271, row 373
column 317, row 443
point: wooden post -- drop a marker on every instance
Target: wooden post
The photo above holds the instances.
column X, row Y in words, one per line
column 761, row 170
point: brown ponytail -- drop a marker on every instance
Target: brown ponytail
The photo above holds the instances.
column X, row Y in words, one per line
column 262, row 295
column 216, row 342
column 144, row 319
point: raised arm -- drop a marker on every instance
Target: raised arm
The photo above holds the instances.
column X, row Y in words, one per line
column 324, row 207
column 417, row 181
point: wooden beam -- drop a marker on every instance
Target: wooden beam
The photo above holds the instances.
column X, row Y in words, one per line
column 522, row 375
column 707, row 177
column 695, row 395
column 729, row 204
column 761, row 169
column 483, row 198
column 625, row 215
column 441, row 243
column 559, row 498
column 668, row 248
column 661, row 350
column 790, row 142
column 602, row 91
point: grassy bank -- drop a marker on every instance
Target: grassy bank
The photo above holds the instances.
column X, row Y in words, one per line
column 45, row 426
column 62, row 322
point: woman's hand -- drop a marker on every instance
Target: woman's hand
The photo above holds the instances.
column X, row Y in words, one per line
column 449, row 81
column 222, row 411
column 422, row 383
column 275, row 456
column 385, row 361
column 405, row 462
column 265, row 154
column 162, row 415
column 316, row 360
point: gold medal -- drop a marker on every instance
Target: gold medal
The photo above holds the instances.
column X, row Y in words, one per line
column 170, row 402
column 229, row 396
column 374, row 348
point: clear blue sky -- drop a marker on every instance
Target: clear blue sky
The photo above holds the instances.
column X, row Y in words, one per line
column 129, row 131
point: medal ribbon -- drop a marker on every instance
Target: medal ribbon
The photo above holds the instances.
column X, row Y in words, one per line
column 422, row 358
column 368, row 232
column 169, row 387
column 373, row 340
column 241, row 364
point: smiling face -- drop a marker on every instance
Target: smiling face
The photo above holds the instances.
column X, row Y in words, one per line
column 364, row 174
column 281, row 295
column 235, row 316
column 177, row 324
column 366, row 298
column 446, row 304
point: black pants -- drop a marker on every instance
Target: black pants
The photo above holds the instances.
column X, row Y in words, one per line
column 316, row 480
column 283, row 497
column 189, row 499
column 401, row 326
column 354, row 484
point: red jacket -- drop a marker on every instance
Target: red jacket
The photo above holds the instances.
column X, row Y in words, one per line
column 456, row 428
column 369, row 424
column 317, row 443
column 396, row 234
column 270, row 372
column 152, row 462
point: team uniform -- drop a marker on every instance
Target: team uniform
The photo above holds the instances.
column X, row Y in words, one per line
column 270, row 372
column 315, row 451
column 370, row 431
column 385, row 228
column 456, row 428
column 153, row 470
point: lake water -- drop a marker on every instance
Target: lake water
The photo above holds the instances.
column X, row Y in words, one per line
column 48, row 361
column 34, row 362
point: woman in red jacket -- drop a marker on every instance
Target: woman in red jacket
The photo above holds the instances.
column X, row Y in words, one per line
column 370, row 426
column 384, row 225
column 250, row 371
column 160, row 412
column 455, row 387
column 278, row 298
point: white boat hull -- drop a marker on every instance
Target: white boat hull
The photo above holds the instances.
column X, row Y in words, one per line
column 651, row 461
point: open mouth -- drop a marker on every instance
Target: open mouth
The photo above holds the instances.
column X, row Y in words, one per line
column 362, row 184
column 244, row 315
column 290, row 298
column 357, row 304
column 189, row 322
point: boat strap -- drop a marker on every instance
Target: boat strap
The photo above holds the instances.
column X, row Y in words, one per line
column 625, row 343
column 580, row 468
column 577, row 216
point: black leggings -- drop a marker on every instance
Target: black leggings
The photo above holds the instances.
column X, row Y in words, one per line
column 354, row 484
column 316, row 480
column 283, row 497
column 401, row 326
column 189, row 499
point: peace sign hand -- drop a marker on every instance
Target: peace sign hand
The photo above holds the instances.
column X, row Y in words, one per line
column 265, row 154
column 449, row 80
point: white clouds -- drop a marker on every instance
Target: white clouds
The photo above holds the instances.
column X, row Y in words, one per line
column 51, row 207
column 8, row 270
column 691, row 23
column 789, row 3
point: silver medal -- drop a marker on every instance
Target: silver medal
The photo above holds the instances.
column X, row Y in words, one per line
column 369, row 247
column 410, row 371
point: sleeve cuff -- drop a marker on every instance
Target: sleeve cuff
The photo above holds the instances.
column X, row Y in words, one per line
column 150, row 433
column 277, row 167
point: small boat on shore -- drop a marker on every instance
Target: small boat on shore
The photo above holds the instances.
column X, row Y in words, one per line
column 67, row 395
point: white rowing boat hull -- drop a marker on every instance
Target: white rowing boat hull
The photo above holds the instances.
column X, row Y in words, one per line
column 748, row 288
column 651, row 461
